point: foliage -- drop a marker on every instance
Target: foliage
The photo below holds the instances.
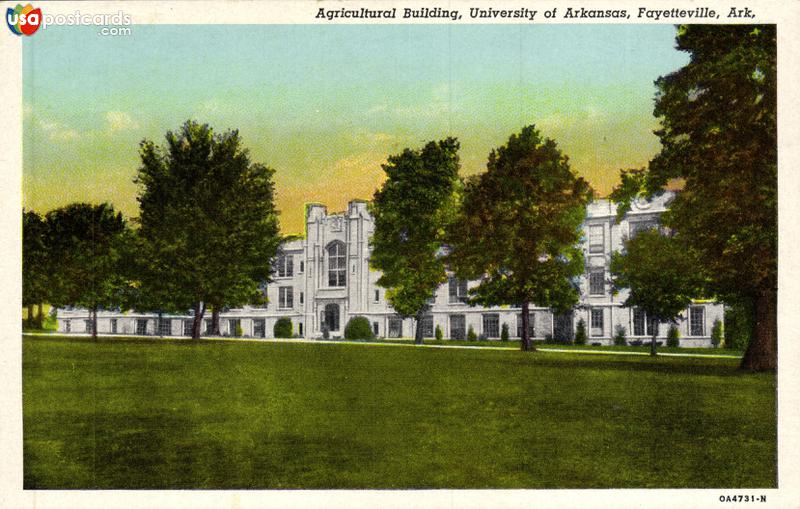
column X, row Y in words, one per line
column 35, row 265
column 410, row 211
column 520, row 226
column 719, row 136
column 673, row 336
column 580, row 332
column 282, row 328
column 660, row 274
column 716, row 333
column 358, row 327
column 209, row 228
column 87, row 271
column 738, row 326
column 619, row 335
column 326, row 331
column 238, row 332
column 504, row 332
column 471, row 336
column 438, row 333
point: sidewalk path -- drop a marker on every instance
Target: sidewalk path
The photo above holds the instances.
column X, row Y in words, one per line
column 376, row 343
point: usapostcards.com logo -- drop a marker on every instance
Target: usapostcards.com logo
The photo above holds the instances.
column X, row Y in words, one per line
column 23, row 20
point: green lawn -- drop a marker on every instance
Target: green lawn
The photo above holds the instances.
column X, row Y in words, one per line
column 180, row 414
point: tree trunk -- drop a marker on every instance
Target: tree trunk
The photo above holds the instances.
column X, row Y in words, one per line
column 30, row 316
column 199, row 311
column 215, row 321
column 654, row 324
column 158, row 323
column 526, row 338
column 94, row 323
column 762, row 351
column 418, row 331
column 39, row 316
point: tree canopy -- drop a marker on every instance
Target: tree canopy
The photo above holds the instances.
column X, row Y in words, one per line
column 659, row 273
column 411, row 211
column 87, row 243
column 208, row 223
column 35, row 263
column 719, row 137
column 519, row 227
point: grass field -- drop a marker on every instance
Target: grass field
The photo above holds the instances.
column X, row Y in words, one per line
column 181, row 414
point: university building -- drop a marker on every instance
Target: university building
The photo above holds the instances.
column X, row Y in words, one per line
column 324, row 280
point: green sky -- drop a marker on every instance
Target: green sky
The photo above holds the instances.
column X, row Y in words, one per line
column 325, row 104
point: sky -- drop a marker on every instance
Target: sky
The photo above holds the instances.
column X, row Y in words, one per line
column 324, row 105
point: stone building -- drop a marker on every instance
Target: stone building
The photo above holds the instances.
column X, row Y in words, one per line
column 324, row 279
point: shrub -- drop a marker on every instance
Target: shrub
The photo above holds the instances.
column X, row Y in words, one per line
column 504, row 333
column 438, row 333
column 482, row 337
column 672, row 337
column 595, row 343
column 548, row 338
column 283, row 328
column 326, row 332
column 738, row 326
column 238, row 330
column 716, row 333
column 358, row 328
column 580, row 333
column 471, row 336
column 619, row 335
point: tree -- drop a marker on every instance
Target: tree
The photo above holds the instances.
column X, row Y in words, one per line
column 411, row 211
column 208, row 225
column 35, row 265
column 659, row 274
column 87, row 242
column 719, row 136
column 519, row 228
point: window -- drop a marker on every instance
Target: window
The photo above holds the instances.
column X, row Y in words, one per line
column 337, row 264
column 491, row 325
column 234, row 327
column 285, row 265
column 187, row 327
column 259, row 328
column 165, row 327
column 597, row 283
column 395, row 327
column 302, row 266
column 67, row 326
column 113, row 326
column 641, row 324
column 596, row 239
column 531, row 325
column 207, row 328
column 458, row 327
column 377, row 295
column 141, row 327
column 640, row 226
column 457, row 290
column 375, row 328
column 597, row 322
column 285, row 297
column 301, row 297
column 697, row 321
column 300, row 329
column 427, row 326
column 88, row 326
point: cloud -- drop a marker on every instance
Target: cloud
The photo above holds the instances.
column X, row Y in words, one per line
column 120, row 121
column 55, row 131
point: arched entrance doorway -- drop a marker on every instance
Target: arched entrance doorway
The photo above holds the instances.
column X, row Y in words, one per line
column 331, row 317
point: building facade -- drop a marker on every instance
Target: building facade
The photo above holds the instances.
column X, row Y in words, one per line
column 324, row 280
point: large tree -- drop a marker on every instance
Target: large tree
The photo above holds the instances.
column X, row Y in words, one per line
column 660, row 276
column 411, row 210
column 719, row 137
column 208, row 224
column 87, row 245
column 520, row 226
column 35, row 267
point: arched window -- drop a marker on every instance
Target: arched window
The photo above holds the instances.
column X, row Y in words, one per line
column 337, row 264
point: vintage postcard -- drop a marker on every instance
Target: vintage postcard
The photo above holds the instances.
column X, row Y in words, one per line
column 399, row 253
